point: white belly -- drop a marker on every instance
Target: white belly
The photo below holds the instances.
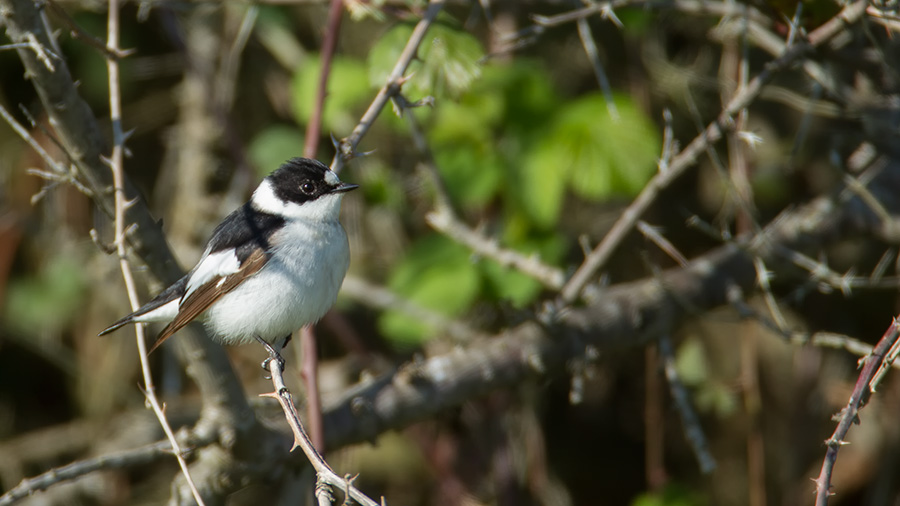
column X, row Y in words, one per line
column 296, row 287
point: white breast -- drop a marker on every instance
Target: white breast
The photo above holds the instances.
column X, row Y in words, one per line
column 296, row 287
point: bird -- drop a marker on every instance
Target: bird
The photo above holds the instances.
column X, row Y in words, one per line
column 272, row 266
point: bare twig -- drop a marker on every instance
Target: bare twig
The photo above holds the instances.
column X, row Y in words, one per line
column 601, row 254
column 309, row 365
column 323, row 470
column 79, row 34
column 347, row 146
column 587, row 41
column 444, row 219
column 864, row 388
column 121, row 460
column 313, row 128
column 693, row 432
column 378, row 297
column 115, row 164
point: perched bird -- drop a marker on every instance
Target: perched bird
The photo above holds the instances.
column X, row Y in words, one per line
column 272, row 266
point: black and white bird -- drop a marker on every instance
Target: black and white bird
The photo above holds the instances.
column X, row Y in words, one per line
column 272, row 266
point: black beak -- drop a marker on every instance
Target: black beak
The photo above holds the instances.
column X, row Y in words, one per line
column 344, row 187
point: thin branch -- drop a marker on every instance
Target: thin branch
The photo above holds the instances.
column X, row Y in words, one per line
column 301, row 440
column 693, row 432
column 378, row 297
column 680, row 163
column 309, row 365
column 120, row 460
column 628, row 315
column 78, row 33
column 347, row 146
column 587, row 41
column 314, row 127
column 115, row 165
column 864, row 388
column 445, row 220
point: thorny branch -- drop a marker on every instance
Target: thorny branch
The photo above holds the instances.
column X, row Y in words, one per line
column 366, row 411
column 686, row 158
column 882, row 355
column 115, row 162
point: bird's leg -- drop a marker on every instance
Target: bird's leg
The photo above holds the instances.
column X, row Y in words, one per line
column 273, row 355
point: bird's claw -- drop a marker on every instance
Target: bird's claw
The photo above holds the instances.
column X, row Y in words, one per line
column 273, row 355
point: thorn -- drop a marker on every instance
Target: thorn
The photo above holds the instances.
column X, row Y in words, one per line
column 608, row 13
column 751, row 139
column 109, row 249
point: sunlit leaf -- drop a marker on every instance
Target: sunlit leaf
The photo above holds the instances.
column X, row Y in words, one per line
column 447, row 62
column 605, row 155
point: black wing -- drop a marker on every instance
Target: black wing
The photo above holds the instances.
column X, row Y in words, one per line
column 245, row 230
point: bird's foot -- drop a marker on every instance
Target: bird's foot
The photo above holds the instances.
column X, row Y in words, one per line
column 273, row 355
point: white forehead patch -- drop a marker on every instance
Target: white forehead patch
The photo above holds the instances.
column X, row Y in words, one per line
column 331, row 178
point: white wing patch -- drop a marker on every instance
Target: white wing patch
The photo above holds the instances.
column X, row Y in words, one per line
column 211, row 266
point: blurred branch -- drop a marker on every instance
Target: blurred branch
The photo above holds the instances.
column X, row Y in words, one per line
column 625, row 315
column 80, row 134
column 309, row 364
column 882, row 355
column 693, row 432
column 686, row 158
column 445, row 220
column 313, row 128
column 120, row 460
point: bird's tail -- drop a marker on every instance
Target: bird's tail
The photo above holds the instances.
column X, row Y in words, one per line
column 116, row 326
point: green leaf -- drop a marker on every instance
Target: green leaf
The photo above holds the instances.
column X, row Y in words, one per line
column 347, row 91
column 472, row 173
column 604, row 155
column 273, row 146
column 540, row 182
column 447, row 63
column 507, row 284
column 436, row 274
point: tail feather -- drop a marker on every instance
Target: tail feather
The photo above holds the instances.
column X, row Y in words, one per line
column 116, row 326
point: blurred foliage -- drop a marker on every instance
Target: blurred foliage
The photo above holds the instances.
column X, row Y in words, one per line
column 447, row 65
column 47, row 301
column 672, row 495
column 530, row 155
column 348, row 93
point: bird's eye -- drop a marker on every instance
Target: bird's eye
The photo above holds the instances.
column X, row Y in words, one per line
column 307, row 187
